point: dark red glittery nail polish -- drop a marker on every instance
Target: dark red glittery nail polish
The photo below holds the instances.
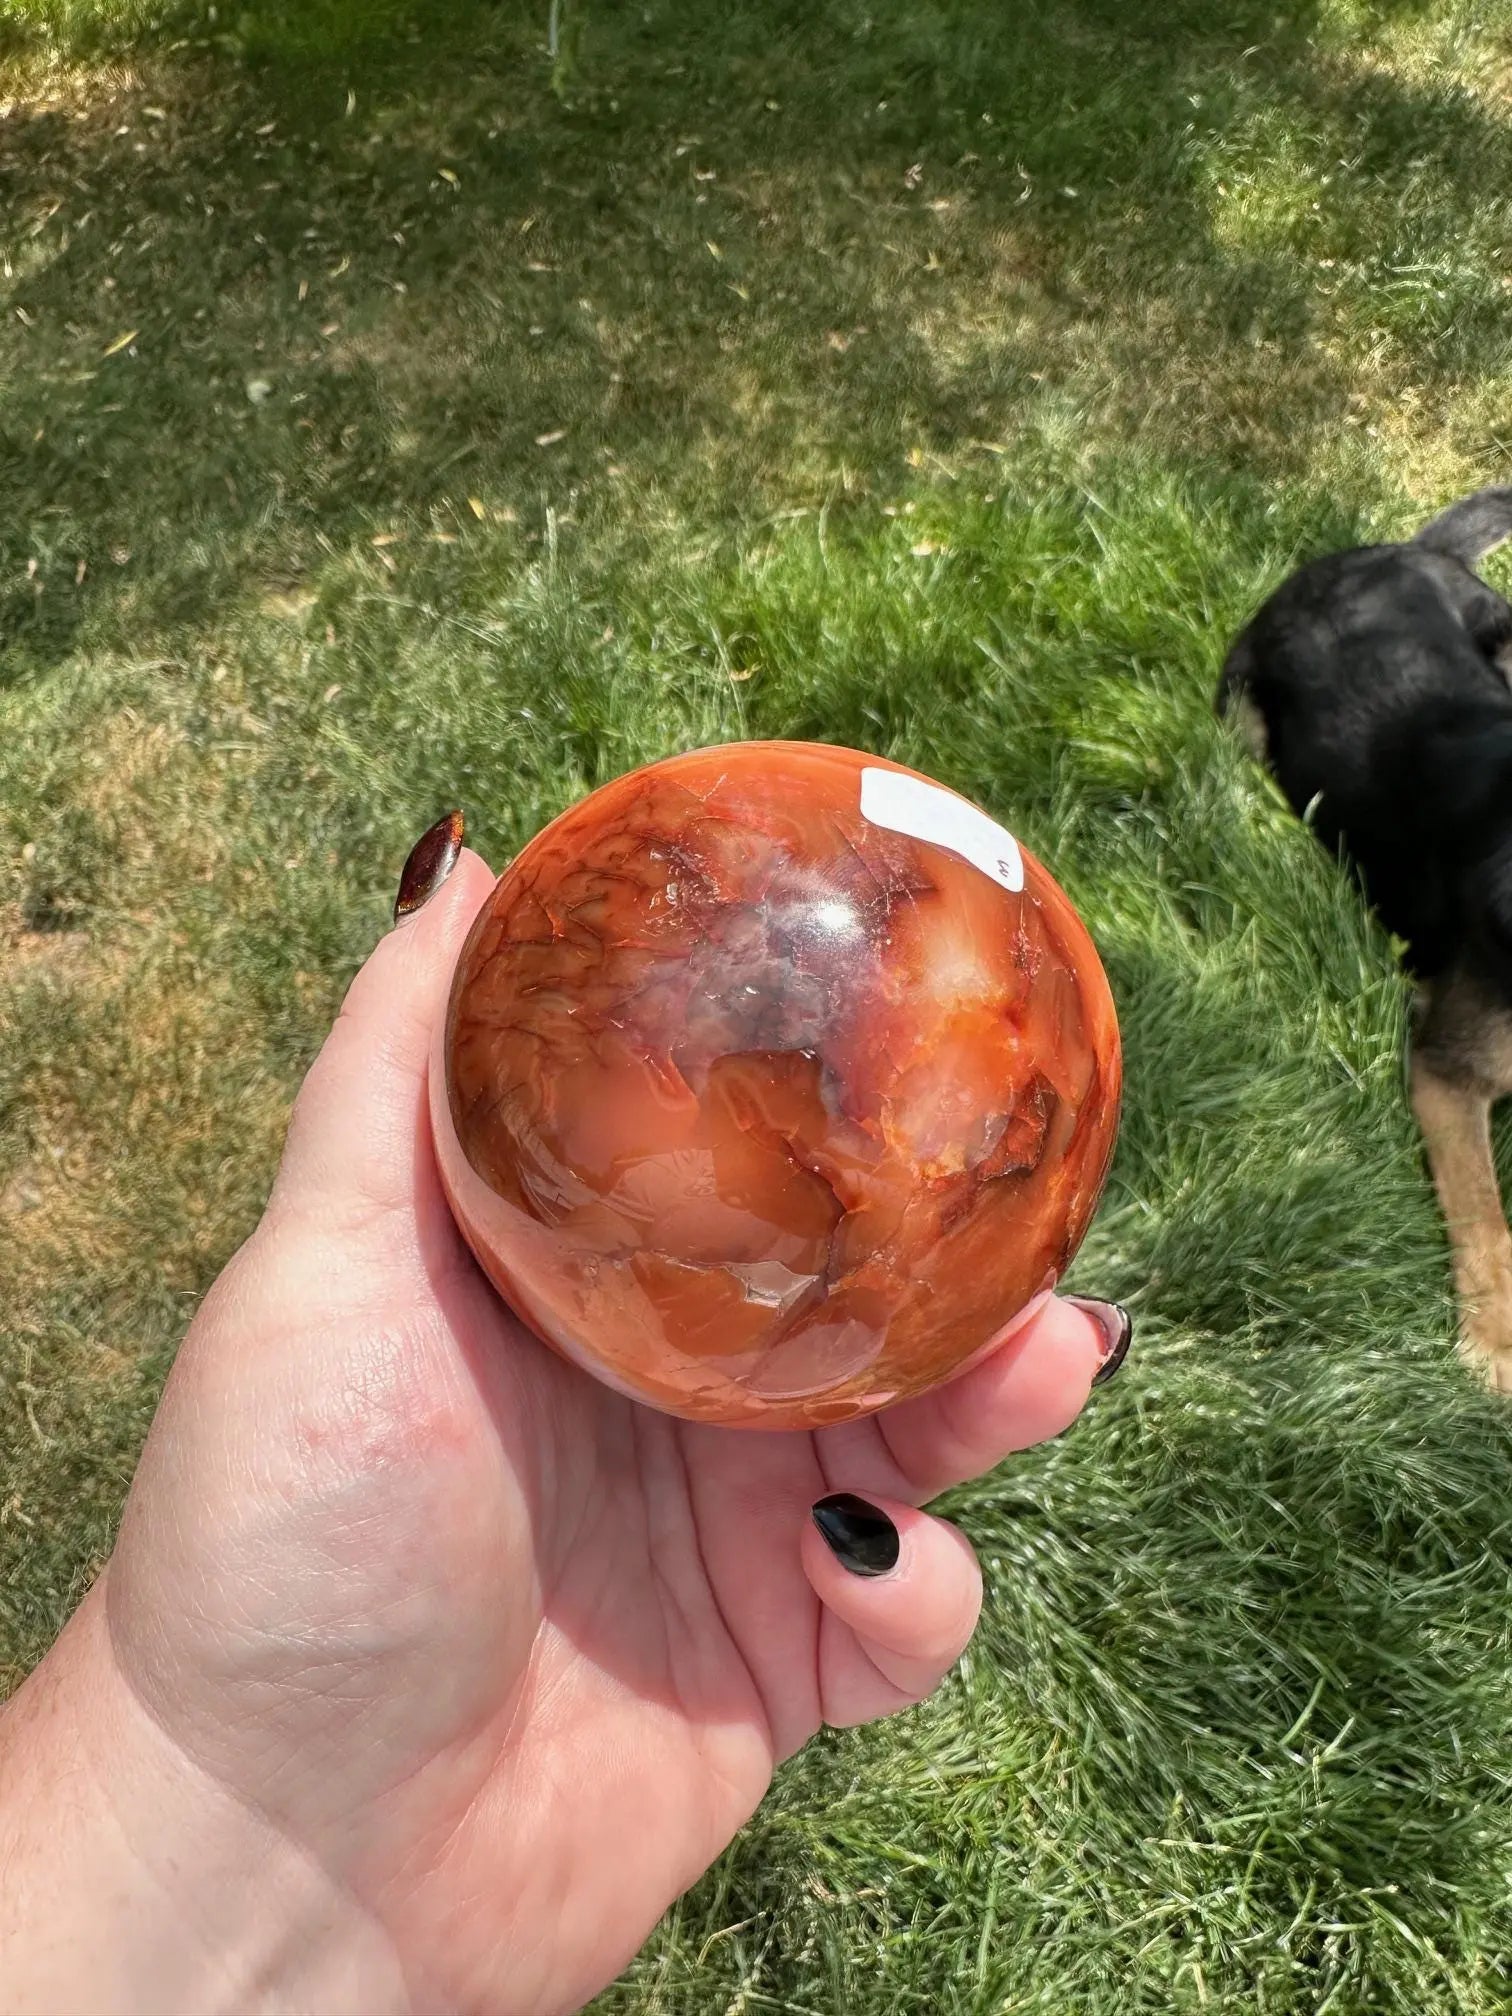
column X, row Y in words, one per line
column 431, row 860
column 1117, row 1326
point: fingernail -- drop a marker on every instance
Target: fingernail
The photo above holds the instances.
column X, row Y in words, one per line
column 860, row 1537
column 1117, row 1327
column 432, row 858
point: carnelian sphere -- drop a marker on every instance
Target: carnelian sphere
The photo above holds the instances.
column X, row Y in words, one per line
column 776, row 1080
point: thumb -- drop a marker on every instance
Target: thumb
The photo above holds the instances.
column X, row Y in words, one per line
column 359, row 1135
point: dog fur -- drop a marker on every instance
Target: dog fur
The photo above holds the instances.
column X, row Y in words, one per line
column 1374, row 685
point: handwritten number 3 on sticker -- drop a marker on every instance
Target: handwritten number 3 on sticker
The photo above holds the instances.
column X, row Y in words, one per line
column 925, row 811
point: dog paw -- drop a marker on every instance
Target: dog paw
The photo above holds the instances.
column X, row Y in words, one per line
column 1497, row 1371
column 1489, row 1357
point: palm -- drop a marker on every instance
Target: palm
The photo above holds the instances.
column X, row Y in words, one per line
column 666, row 1656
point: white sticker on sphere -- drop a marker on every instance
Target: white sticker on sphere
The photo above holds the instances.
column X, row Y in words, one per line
column 925, row 811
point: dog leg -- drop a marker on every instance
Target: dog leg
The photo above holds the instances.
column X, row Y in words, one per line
column 1456, row 1124
column 1250, row 723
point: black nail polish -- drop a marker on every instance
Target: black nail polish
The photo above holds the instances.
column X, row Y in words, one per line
column 1117, row 1326
column 860, row 1537
column 431, row 860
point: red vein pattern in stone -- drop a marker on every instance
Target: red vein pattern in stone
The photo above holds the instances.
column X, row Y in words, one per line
column 764, row 1112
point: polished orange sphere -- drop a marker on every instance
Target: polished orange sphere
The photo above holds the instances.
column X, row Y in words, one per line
column 776, row 1081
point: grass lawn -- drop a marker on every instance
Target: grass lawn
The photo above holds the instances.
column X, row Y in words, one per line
column 381, row 430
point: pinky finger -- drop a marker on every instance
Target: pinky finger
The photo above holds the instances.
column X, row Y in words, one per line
column 900, row 1591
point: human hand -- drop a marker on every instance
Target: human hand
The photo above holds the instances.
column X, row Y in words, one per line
column 427, row 1672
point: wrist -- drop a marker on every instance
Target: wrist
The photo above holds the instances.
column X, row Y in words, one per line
column 136, row 1885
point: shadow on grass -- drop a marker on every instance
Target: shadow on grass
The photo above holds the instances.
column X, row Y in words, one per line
column 344, row 274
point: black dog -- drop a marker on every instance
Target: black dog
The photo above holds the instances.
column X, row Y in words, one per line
column 1375, row 686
